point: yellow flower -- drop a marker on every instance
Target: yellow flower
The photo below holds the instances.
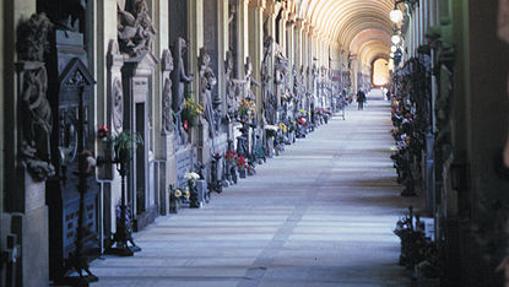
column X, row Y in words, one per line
column 187, row 194
column 283, row 127
column 178, row 193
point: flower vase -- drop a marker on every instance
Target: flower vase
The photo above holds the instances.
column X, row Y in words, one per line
column 194, row 199
column 242, row 172
column 174, row 204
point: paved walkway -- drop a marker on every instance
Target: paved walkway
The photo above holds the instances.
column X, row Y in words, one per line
column 321, row 214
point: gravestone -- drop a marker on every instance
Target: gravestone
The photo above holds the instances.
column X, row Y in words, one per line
column 72, row 91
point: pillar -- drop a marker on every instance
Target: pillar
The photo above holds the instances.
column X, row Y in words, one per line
column 299, row 45
column 290, row 49
column 242, row 37
column 256, row 8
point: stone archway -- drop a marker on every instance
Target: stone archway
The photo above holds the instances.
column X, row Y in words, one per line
column 380, row 75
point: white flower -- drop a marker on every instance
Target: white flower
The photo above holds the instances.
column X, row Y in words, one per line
column 191, row 176
column 272, row 127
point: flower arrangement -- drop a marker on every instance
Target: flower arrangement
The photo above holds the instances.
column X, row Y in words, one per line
column 283, row 127
column 192, row 110
column 246, row 107
column 103, row 132
column 178, row 193
column 241, row 162
column 230, row 156
column 271, row 128
column 192, row 176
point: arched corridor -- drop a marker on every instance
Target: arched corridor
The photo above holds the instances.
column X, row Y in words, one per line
column 321, row 214
column 254, row 143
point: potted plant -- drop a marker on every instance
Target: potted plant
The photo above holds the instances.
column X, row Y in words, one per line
column 194, row 199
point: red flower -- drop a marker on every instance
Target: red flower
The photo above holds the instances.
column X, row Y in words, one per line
column 186, row 125
column 103, row 131
column 230, row 155
column 241, row 162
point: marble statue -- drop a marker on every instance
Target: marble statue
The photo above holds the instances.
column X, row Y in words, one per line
column 248, row 80
column 267, row 78
column 232, row 102
column 180, row 78
column 167, row 96
column 208, row 81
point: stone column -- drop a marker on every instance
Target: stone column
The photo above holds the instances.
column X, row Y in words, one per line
column 256, row 8
column 305, row 52
column 241, row 6
column 290, row 49
column 282, row 30
column 299, row 45
column 354, row 71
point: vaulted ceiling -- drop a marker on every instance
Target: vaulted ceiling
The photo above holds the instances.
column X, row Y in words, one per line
column 361, row 27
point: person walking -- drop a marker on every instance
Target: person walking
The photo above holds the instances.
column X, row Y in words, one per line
column 361, row 99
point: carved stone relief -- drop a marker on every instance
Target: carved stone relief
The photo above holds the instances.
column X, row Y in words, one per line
column 32, row 35
column 135, row 29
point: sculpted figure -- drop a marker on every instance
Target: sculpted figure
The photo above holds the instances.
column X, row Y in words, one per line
column 267, row 78
column 135, row 29
column 180, row 78
column 232, row 103
column 118, row 105
column 37, row 123
column 208, row 81
column 248, row 79
column 167, row 112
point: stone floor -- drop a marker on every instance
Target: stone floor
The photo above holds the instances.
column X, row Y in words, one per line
column 321, row 214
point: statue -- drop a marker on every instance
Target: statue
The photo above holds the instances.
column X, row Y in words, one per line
column 266, row 77
column 207, row 82
column 37, row 122
column 118, row 105
column 232, row 102
column 248, row 80
column 180, row 78
column 135, row 29
column 167, row 112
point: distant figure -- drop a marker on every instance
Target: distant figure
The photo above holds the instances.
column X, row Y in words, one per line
column 361, row 99
column 343, row 102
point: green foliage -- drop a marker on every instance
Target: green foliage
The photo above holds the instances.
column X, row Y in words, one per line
column 124, row 143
